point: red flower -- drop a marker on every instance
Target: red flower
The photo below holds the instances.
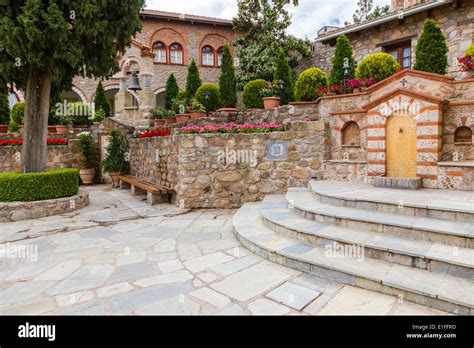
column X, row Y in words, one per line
column 155, row 133
column 19, row 141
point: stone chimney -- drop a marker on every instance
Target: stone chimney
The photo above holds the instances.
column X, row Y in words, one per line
column 398, row 5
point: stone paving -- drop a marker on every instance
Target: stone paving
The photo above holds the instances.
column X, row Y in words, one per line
column 121, row 256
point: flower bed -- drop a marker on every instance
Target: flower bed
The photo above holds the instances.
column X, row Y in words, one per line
column 234, row 128
column 153, row 133
column 19, row 142
column 352, row 85
column 467, row 63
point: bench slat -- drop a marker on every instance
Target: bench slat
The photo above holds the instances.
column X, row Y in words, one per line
column 144, row 185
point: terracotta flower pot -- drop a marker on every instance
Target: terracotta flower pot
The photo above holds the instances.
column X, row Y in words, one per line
column 3, row 128
column 114, row 176
column 159, row 122
column 62, row 129
column 87, row 176
column 182, row 117
column 197, row 114
column 170, row 120
column 51, row 129
column 271, row 102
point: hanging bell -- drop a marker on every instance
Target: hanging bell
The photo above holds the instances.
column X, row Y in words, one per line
column 134, row 82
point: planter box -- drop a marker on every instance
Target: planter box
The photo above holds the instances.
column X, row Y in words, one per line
column 62, row 129
column 159, row 122
column 197, row 114
column 170, row 120
column 3, row 128
column 52, row 129
column 182, row 117
column 271, row 102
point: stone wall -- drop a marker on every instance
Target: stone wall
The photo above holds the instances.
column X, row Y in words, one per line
column 455, row 20
column 226, row 170
column 58, row 156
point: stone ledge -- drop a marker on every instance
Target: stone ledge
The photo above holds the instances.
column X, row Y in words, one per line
column 397, row 183
column 19, row 211
column 465, row 164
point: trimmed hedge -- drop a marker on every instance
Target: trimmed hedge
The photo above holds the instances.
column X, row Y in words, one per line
column 29, row 187
column 309, row 81
column 214, row 97
column 377, row 65
column 252, row 98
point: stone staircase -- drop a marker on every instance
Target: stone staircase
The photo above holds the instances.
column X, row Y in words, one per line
column 418, row 245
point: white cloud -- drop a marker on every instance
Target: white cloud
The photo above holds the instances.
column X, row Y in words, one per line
column 308, row 17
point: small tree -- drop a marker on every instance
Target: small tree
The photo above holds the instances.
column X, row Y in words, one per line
column 283, row 73
column 100, row 100
column 115, row 161
column 343, row 50
column 227, row 80
column 171, row 91
column 193, row 81
column 431, row 50
column 87, row 149
column 4, row 109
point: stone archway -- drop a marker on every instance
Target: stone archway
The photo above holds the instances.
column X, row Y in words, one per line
column 401, row 146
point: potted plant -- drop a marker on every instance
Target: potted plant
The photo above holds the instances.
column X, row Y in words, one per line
column 63, row 124
column 4, row 113
column 87, row 150
column 170, row 118
column 197, row 110
column 160, row 115
column 115, row 162
column 270, row 97
column 180, row 107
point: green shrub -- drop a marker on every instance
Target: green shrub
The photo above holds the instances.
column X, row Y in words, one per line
column 214, row 98
column 79, row 114
column 100, row 100
column 343, row 50
column 283, row 73
column 193, row 80
column 161, row 113
column 4, row 109
column 17, row 115
column 431, row 53
column 252, row 93
column 99, row 115
column 54, row 183
column 228, row 80
column 180, row 103
column 309, row 81
column 87, row 148
column 470, row 50
column 115, row 160
column 377, row 65
column 171, row 91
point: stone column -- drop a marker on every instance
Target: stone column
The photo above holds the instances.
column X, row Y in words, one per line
column 120, row 98
column 147, row 100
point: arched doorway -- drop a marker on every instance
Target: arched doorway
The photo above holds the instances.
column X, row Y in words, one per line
column 110, row 95
column 160, row 98
column 401, row 146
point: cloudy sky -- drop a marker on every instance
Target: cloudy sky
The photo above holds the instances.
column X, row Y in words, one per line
column 308, row 17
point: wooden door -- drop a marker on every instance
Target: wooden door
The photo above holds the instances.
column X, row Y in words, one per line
column 401, row 147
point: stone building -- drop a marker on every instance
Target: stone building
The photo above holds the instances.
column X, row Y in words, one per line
column 166, row 44
column 397, row 33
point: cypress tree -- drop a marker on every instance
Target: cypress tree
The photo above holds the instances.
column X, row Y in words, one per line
column 431, row 50
column 283, row 73
column 193, row 81
column 343, row 50
column 4, row 109
column 171, row 91
column 101, row 101
column 227, row 80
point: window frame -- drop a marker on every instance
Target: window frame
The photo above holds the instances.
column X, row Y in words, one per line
column 399, row 48
column 161, row 49
column 219, row 53
column 212, row 53
column 171, row 49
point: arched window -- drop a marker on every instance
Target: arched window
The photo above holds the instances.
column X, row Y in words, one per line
column 463, row 135
column 351, row 134
column 220, row 51
column 159, row 49
column 208, row 56
column 176, row 54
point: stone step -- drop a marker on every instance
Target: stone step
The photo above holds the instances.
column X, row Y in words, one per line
column 437, row 290
column 438, row 204
column 459, row 234
column 434, row 257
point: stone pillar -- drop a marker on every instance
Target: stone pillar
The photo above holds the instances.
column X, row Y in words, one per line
column 147, row 101
column 120, row 98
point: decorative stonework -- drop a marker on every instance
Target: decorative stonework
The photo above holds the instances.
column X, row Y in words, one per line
column 19, row 211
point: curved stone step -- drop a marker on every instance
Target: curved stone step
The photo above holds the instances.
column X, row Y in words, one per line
column 440, row 291
column 438, row 204
column 434, row 257
column 434, row 230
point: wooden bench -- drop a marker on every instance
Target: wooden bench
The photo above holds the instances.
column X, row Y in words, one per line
column 154, row 193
